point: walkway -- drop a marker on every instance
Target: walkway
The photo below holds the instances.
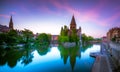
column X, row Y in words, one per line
column 102, row 63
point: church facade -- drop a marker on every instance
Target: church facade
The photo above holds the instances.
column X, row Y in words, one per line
column 71, row 33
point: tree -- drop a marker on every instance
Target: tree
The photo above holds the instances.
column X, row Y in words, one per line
column 43, row 38
column 65, row 30
column 3, row 38
column 61, row 32
column 64, row 37
column 12, row 37
column 90, row 38
column 27, row 35
column 86, row 38
column 9, row 38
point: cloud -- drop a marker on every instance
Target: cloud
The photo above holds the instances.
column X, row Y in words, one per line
column 7, row 15
column 4, row 16
column 12, row 13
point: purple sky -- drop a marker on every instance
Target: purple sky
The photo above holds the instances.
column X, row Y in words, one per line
column 95, row 17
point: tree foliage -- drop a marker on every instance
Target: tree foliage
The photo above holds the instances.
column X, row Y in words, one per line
column 43, row 38
column 9, row 38
column 12, row 37
column 27, row 35
column 66, row 37
column 86, row 38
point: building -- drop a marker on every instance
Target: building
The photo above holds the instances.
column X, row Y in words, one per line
column 114, row 34
column 4, row 29
column 54, row 39
column 73, row 26
column 104, row 39
column 11, row 24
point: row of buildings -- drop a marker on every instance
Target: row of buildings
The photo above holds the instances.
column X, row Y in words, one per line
column 112, row 35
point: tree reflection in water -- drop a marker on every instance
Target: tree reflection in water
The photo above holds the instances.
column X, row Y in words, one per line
column 42, row 49
column 27, row 54
column 72, row 52
column 12, row 55
column 84, row 47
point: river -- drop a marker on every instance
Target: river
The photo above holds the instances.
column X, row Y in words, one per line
column 50, row 59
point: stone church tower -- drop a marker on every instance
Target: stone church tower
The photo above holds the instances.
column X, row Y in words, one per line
column 73, row 23
column 11, row 24
column 73, row 26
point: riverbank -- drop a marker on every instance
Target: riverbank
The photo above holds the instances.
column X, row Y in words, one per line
column 101, row 63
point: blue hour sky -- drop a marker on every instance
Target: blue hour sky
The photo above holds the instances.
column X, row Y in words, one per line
column 95, row 17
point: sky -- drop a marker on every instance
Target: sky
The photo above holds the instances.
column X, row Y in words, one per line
column 95, row 17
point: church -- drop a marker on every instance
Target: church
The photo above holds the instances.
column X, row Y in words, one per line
column 73, row 29
column 4, row 29
column 73, row 26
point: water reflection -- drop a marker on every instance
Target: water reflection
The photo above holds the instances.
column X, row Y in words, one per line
column 38, row 57
column 10, row 57
column 84, row 47
column 42, row 49
column 71, row 53
column 27, row 54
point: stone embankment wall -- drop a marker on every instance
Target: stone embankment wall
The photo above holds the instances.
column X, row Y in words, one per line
column 115, row 51
column 69, row 44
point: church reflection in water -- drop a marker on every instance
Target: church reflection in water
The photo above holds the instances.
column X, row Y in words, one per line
column 25, row 55
column 70, row 54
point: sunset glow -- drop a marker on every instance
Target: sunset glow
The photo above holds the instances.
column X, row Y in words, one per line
column 95, row 17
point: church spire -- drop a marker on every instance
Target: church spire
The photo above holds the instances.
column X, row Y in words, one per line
column 11, row 23
column 73, row 23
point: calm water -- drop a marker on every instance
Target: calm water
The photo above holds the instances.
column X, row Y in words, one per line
column 50, row 59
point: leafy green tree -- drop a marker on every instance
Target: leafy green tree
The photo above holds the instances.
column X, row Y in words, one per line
column 61, row 32
column 86, row 38
column 65, row 30
column 43, row 38
column 3, row 38
column 63, row 38
column 12, row 37
column 27, row 35
column 9, row 38
column 90, row 38
column 49, row 37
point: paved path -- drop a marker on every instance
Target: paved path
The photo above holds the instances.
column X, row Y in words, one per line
column 101, row 63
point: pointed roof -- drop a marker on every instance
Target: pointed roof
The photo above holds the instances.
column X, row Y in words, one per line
column 11, row 23
column 11, row 18
column 73, row 21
